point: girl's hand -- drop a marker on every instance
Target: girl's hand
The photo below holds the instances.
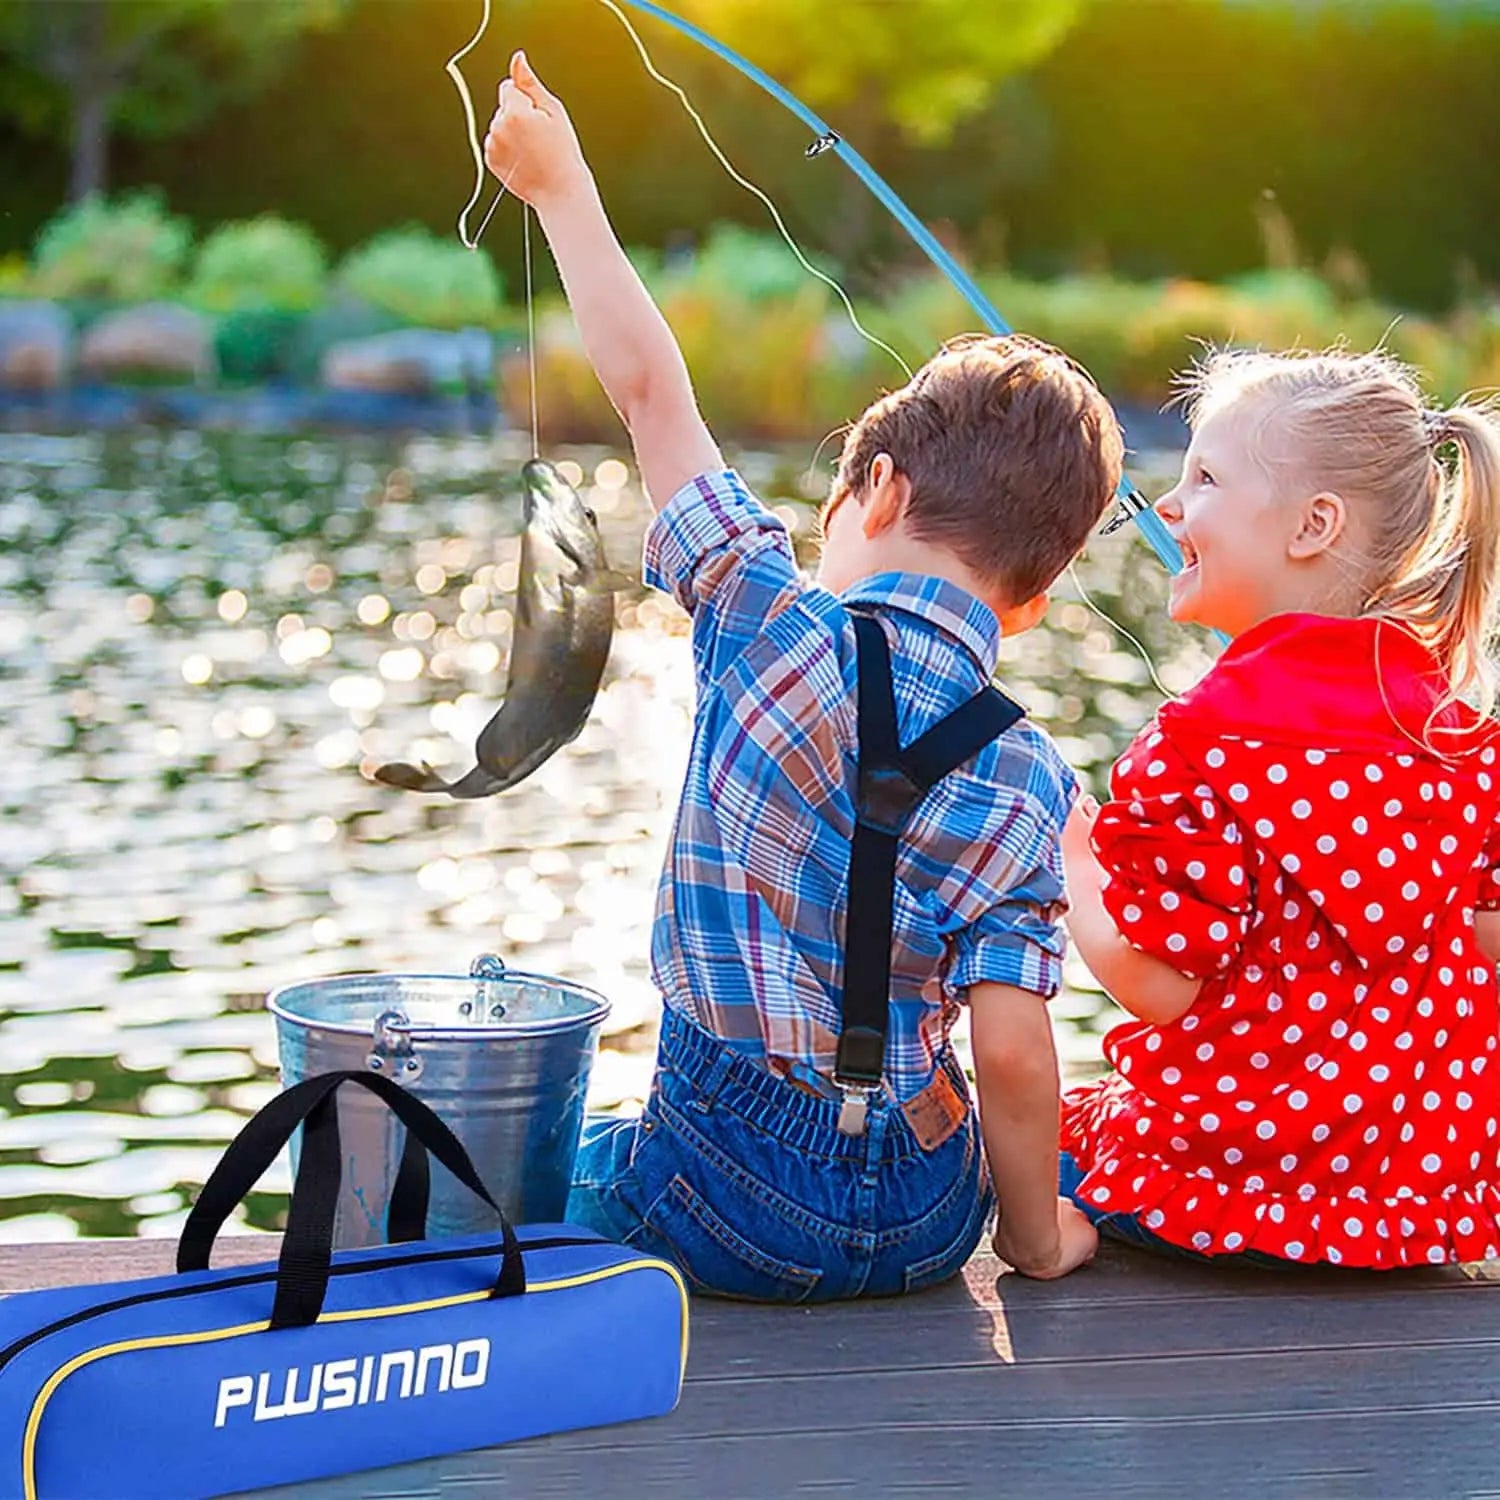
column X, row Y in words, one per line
column 1079, row 861
column 531, row 145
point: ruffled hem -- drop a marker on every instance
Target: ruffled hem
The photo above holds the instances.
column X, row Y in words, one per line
column 1217, row 1218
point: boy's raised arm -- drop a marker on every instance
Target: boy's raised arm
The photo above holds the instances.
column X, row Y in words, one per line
column 532, row 148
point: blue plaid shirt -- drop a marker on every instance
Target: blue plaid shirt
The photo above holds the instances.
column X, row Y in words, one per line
column 750, row 917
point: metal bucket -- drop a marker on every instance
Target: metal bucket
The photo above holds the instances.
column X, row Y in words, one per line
column 503, row 1056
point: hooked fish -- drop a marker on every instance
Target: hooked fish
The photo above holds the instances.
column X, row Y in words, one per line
column 565, row 617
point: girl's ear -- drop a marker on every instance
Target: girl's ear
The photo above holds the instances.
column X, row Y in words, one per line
column 1320, row 525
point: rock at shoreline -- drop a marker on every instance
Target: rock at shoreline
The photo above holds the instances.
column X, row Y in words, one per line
column 35, row 338
column 155, row 341
column 409, row 361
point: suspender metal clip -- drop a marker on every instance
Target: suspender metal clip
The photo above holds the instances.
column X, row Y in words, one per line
column 854, row 1110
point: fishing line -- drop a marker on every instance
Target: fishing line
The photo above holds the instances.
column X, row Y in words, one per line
column 536, row 438
column 841, row 431
column 452, row 70
column 1114, row 624
column 750, row 187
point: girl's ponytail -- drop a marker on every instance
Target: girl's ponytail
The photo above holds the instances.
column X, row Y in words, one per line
column 1445, row 588
column 1475, row 483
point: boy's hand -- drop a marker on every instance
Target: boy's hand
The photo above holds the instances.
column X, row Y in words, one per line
column 1077, row 1240
column 531, row 145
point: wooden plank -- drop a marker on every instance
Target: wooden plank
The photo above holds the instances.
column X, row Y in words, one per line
column 75, row 1262
column 1014, row 1319
column 1405, row 1454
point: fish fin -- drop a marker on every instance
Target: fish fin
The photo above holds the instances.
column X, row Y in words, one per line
column 410, row 778
column 611, row 579
column 477, row 783
column 550, row 593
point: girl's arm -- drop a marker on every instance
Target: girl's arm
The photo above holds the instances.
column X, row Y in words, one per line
column 1139, row 982
column 1487, row 934
column 532, row 148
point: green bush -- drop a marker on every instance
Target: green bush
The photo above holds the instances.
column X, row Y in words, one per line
column 736, row 262
column 127, row 250
column 259, row 265
column 776, row 360
column 423, row 280
column 253, row 344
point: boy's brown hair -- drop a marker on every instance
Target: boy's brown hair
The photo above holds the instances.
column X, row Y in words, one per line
column 1011, row 451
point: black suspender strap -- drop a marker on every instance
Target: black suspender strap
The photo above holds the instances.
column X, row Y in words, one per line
column 891, row 782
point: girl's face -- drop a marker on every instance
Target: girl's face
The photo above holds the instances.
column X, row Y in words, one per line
column 1226, row 517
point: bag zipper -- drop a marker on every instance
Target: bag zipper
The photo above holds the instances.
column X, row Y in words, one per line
column 19, row 1346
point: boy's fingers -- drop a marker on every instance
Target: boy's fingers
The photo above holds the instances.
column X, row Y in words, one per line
column 526, row 80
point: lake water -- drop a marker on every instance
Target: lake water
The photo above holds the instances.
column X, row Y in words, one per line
column 207, row 640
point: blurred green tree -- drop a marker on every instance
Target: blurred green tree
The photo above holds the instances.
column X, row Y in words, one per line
column 926, row 65
column 84, row 69
column 897, row 78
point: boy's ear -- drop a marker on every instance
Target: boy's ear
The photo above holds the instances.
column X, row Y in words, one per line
column 1320, row 525
column 1019, row 618
column 886, row 497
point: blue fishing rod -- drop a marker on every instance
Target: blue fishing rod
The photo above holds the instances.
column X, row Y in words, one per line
column 1132, row 504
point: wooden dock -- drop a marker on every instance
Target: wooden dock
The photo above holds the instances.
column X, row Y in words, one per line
column 1136, row 1377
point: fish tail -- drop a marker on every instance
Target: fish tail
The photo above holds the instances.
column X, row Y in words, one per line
column 410, row 778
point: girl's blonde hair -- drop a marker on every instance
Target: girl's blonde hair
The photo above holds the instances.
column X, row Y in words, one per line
column 1424, row 484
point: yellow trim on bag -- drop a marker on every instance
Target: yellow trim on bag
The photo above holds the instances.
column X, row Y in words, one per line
column 171, row 1340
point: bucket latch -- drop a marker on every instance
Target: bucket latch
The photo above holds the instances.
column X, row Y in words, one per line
column 392, row 1052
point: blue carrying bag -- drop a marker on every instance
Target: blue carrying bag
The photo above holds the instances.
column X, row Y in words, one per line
column 320, row 1363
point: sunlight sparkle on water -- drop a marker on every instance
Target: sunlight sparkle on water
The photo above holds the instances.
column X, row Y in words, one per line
column 210, row 830
column 373, row 609
column 233, row 606
column 197, row 669
column 401, row 665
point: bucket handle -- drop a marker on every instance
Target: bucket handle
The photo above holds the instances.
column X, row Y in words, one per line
column 307, row 1246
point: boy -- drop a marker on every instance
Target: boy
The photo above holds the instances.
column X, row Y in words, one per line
column 828, row 901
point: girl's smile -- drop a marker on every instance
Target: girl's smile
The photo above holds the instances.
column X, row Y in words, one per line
column 1226, row 516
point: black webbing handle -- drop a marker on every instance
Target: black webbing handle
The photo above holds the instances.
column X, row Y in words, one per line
column 254, row 1149
column 307, row 1246
column 406, row 1216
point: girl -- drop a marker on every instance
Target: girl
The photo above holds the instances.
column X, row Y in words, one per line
column 1294, row 888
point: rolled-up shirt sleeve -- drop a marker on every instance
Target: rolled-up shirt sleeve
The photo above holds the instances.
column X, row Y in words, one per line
column 1018, row 942
column 727, row 560
column 1017, row 938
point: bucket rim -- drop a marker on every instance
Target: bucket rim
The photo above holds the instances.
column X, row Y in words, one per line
column 540, row 1027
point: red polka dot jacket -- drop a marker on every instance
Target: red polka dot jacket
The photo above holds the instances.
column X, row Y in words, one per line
column 1280, row 832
